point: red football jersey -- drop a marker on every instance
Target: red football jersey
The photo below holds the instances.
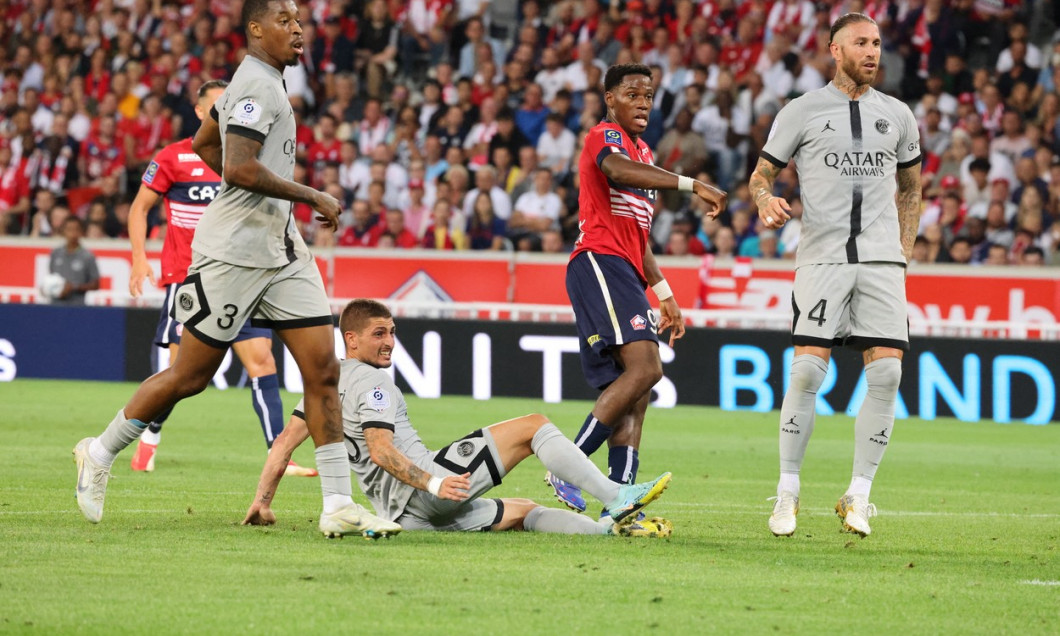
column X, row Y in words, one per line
column 187, row 186
column 613, row 219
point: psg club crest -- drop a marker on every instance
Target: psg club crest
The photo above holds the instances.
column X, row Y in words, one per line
column 639, row 322
column 464, row 449
column 883, row 126
column 186, row 303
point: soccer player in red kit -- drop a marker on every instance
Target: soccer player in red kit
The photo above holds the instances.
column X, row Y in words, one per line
column 186, row 186
column 610, row 269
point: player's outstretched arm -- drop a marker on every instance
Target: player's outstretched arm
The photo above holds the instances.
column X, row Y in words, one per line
column 383, row 452
column 908, row 200
column 243, row 170
column 771, row 209
column 669, row 313
column 621, row 169
column 146, row 198
column 260, row 511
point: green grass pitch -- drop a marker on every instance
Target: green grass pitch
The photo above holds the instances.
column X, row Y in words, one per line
column 965, row 541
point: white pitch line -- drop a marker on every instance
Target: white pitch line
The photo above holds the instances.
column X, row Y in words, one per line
column 1040, row 582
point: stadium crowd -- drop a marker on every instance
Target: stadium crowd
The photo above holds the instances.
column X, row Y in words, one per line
column 457, row 124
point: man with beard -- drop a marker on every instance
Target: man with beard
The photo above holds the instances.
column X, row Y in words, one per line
column 858, row 155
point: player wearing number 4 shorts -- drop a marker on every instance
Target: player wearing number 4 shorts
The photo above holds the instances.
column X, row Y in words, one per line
column 857, row 153
column 249, row 264
column 186, row 185
column 442, row 490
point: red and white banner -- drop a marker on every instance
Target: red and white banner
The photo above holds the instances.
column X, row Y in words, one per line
column 937, row 294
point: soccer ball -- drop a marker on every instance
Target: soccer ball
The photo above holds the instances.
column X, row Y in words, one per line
column 52, row 286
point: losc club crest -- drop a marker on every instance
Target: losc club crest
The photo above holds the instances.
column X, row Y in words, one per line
column 186, row 303
column 883, row 126
column 465, row 449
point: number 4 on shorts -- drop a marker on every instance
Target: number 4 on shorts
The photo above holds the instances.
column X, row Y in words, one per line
column 817, row 313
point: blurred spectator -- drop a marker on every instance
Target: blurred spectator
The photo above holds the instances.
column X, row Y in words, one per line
column 439, row 235
column 14, row 192
column 392, row 225
column 74, row 263
column 961, row 251
column 376, row 47
column 486, row 182
column 537, row 210
column 996, row 255
column 555, row 147
column 358, row 232
column 485, row 231
column 1032, row 256
column 724, row 243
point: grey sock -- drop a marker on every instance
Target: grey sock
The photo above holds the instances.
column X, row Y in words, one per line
column 566, row 461
column 798, row 410
column 119, row 433
column 872, row 428
column 542, row 519
column 334, row 468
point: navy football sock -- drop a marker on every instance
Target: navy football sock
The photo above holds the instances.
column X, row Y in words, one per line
column 265, row 393
column 622, row 464
column 592, row 435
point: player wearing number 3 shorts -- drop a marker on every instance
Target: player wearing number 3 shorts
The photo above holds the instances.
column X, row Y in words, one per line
column 857, row 153
column 186, row 185
column 250, row 264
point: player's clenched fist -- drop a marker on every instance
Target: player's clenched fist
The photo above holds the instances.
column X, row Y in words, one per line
column 774, row 212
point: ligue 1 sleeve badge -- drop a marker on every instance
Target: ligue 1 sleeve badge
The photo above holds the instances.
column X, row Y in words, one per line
column 378, row 399
column 613, row 137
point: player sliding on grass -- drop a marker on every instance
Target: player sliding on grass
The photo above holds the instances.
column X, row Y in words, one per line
column 440, row 490
column 858, row 156
column 609, row 270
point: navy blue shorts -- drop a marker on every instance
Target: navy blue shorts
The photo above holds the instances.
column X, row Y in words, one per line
column 169, row 330
column 610, row 310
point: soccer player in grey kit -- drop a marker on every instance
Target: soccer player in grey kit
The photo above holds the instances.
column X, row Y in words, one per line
column 857, row 152
column 250, row 263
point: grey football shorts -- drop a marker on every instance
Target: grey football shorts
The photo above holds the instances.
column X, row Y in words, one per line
column 217, row 298
column 860, row 305
column 476, row 454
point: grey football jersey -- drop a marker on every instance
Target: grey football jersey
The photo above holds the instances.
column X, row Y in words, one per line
column 239, row 226
column 370, row 399
column 847, row 153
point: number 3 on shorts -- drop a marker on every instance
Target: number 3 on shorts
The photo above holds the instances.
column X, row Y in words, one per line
column 224, row 322
column 816, row 314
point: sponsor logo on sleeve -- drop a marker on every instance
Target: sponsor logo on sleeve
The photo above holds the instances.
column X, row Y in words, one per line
column 149, row 174
column 378, row 399
column 247, row 112
column 613, row 137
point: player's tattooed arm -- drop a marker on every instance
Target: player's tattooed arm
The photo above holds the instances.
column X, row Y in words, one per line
column 243, row 170
column 381, row 447
column 908, row 200
column 772, row 210
column 207, row 144
column 761, row 182
column 260, row 511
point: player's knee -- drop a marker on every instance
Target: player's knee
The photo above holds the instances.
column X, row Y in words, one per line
column 884, row 375
column 325, row 373
column 807, row 373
